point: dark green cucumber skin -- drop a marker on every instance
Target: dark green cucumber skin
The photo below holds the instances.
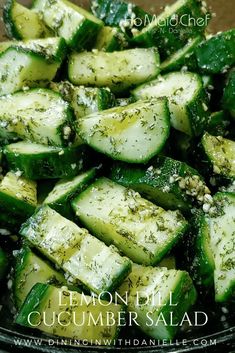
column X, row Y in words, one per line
column 9, row 24
column 217, row 53
column 151, row 185
column 218, row 124
column 32, row 303
column 112, row 12
column 49, row 166
column 106, row 99
column 3, row 263
column 168, row 38
column 229, row 93
column 63, row 204
column 11, row 206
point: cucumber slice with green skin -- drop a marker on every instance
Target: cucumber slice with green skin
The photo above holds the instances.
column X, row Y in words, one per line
column 65, row 190
column 220, row 153
column 203, row 264
column 188, row 101
column 217, row 54
column 22, row 23
column 183, row 58
column 222, row 229
column 21, row 68
column 36, row 161
column 120, row 216
column 53, row 49
column 160, row 298
column 218, row 124
column 110, row 39
column 91, row 314
column 18, row 198
column 39, row 115
column 118, row 70
column 172, row 29
column 77, row 26
column 133, row 133
column 29, row 270
column 84, row 100
column 3, row 263
column 99, row 267
column 120, row 13
column 229, row 94
column 169, row 183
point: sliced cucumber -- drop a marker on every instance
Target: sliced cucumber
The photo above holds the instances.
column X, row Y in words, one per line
column 160, row 298
column 218, row 124
column 133, row 133
column 39, row 115
column 120, row 216
column 172, row 29
column 217, row 54
column 77, row 26
column 65, row 190
column 184, row 58
column 20, row 68
column 3, row 263
column 99, row 267
column 84, row 100
column 222, row 230
column 169, row 183
column 203, row 263
column 22, row 23
column 18, row 198
column 29, row 270
column 120, row 13
column 118, row 70
column 220, row 152
column 229, row 94
column 91, row 316
column 36, row 161
column 53, row 49
column 110, row 39
column 188, row 102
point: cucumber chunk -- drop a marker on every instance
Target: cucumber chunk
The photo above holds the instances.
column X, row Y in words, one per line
column 169, row 183
column 118, row 70
column 229, row 93
column 20, row 68
column 218, row 124
column 65, row 190
column 110, row 39
column 36, row 161
column 120, row 13
column 133, row 133
column 172, row 29
column 188, row 102
column 120, row 216
column 3, row 263
column 39, row 115
column 22, row 23
column 77, row 26
column 221, row 221
column 93, row 313
column 217, row 54
column 29, row 270
column 184, row 58
column 84, row 100
column 18, row 199
column 52, row 49
column 160, row 298
column 220, row 153
column 99, row 267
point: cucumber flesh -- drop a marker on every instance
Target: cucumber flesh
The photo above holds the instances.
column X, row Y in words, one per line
column 110, row 39
column 120, row 216
column 133, row 133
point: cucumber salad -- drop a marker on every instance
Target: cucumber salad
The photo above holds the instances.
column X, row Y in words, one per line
column 117, row 155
